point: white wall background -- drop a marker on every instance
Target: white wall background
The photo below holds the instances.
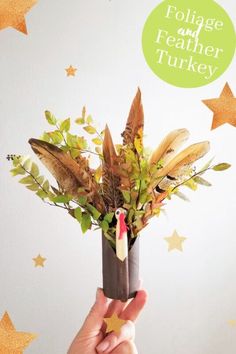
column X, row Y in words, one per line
column 191, row 294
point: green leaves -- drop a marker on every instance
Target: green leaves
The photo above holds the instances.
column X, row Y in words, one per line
column 61, row 199
column 221, row 166
column 50, row 118
column 17, row 171
column 104, row 225
column 202, row 181
column 56, row 137
column 97, row 141
column 65, row 125
column 32, row 180
column 126, row 196
column 136, row 177
column 86, row 222
column 108, row 217
column 26, row 180
column 95, row 213
column 78, row 214
column 34, row 169
column 89, row 129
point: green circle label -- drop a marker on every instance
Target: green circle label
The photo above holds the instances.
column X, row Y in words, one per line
column 188, row 43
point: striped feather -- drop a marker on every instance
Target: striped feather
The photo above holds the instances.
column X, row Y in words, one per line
column 169, row 146
column 112, row 196
column 69, row 174
column 135, row 121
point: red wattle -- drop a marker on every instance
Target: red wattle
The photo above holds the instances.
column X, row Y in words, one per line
column 123, row 227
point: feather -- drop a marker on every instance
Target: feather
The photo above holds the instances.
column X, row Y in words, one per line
column 169, row 146
column 69, row 174
column 135, row 120
column 179, row 165
column 112, row 196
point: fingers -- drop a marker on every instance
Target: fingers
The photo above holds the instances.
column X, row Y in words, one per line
column 134, row 308
column 112, row 340
column 94, row 320
column 127, row 347
column 116, row 306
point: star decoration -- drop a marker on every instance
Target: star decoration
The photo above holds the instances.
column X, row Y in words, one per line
column 175, row 242
column 39, row 261
column 12, row 13
column 11, row 341
column 71, row 71
column 114, row 323
column 232, row 323
column 224, row 108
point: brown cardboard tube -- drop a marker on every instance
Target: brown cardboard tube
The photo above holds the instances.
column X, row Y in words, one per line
column 120, row 279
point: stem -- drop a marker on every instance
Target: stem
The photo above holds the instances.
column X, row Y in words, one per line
column 62, row 135
column 57, row 205
column 188, row 179
column 89, row 151
column 34, row 179
column 98, row 134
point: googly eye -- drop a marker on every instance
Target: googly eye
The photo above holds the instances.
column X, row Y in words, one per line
column 117, row 212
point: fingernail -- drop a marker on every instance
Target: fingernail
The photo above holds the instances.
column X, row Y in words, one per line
column 103, row 346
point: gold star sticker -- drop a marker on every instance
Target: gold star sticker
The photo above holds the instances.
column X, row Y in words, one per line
column 175, row 242
column 11, row 341
column 232, row 323
column 224, row 108
column 12, row 13
column 39, row 261
column 114, row 323
column 71, row 71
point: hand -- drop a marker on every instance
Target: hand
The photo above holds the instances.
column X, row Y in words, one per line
column 92, row 339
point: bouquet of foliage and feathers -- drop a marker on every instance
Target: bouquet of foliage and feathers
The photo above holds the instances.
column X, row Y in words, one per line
column 127, row 188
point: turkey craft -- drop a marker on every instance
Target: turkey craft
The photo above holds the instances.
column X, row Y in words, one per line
column 122, row 194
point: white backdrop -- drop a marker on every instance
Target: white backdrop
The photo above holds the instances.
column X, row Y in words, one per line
column 191, row 294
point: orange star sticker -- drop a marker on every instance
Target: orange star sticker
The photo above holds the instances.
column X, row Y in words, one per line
column 12, row 13
column 71, row 71
column 39, row 261
column 114, row 323
column 175, row 242
column 224, row 108
column 11, row 341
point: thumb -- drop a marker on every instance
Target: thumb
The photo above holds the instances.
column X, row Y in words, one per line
column 94, row 320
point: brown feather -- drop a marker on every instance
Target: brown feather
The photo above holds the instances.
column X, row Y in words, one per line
column 135, row 120
column 112, row 196
column 69, row 174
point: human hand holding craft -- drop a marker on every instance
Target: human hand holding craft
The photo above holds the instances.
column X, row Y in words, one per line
column 92, row 336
